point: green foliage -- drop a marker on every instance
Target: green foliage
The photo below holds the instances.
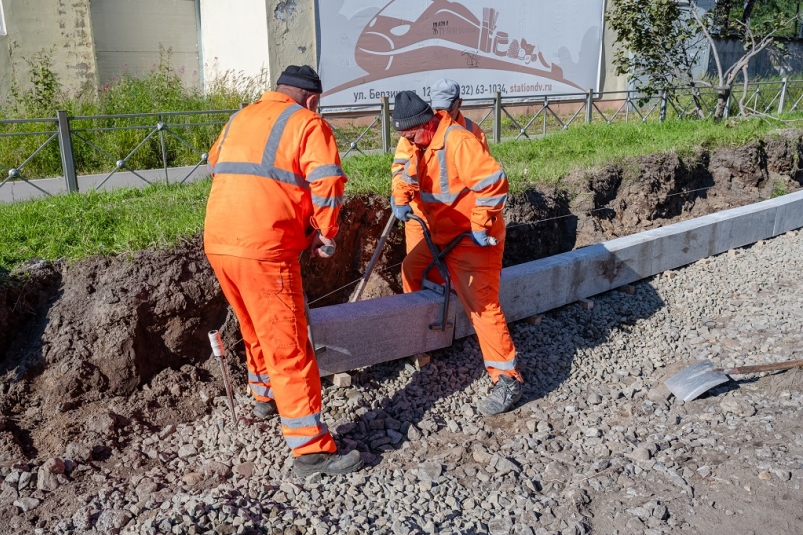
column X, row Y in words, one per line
column 660, row 43
column 45, row 89
column 158, row 91
column 764, row 15
column 779, row 189
column 655, row 39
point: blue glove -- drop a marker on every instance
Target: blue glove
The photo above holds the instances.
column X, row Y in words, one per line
column 401, row 212
column 480, row 237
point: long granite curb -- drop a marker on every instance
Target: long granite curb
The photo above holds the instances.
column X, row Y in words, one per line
column 388, row 328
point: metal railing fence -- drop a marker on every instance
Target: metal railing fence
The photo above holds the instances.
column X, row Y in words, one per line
column 108, row 144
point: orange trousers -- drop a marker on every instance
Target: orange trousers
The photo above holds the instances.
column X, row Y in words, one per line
column 268, row 299
column 413, row 235
column 475, row 272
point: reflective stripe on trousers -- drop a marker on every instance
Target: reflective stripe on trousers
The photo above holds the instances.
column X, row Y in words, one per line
column 475, row 273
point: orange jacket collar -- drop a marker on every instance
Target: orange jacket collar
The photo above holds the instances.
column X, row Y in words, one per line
column 276, row 97
column 440, row 133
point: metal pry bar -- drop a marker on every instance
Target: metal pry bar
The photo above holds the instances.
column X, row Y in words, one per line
column 220, row 352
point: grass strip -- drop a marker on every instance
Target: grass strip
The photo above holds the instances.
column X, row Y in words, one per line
column 100, row 223
column 126, row 220
column 549, row 159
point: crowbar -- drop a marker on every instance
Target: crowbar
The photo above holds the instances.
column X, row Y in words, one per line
column 439, row 262
column 380, row 244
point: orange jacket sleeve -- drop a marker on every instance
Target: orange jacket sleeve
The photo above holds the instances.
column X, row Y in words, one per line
column 404, row 183
column 214, row 152
column 479, row 134
column 320, row 166
column 483, row 175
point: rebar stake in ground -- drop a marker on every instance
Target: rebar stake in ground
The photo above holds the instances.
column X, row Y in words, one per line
column 220, row 352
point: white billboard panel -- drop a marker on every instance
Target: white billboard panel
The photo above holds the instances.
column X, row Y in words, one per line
column 372, row 48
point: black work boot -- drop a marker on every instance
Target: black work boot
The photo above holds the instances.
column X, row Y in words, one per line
column 263, row 409
column 327, row 463
column 505, row 394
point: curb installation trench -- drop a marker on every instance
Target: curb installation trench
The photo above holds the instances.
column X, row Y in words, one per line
column 399, row 324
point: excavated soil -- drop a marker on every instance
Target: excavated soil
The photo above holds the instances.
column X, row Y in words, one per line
column 92, row 350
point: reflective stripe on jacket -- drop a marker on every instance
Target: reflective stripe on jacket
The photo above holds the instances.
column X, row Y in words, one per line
column 277, row 177
column 460, row 186
column 405, row 150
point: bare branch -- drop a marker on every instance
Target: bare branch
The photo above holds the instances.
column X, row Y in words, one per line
column 744, row 91
column 768, row 118
column 693, row 9
column 755, row 49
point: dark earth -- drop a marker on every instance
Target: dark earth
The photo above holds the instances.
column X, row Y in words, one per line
column 91, row 351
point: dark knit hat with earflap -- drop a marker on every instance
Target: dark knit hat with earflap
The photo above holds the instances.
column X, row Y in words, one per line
column 410, row 110
column 303, row 77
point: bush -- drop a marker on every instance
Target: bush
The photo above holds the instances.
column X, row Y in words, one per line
column 159, row 91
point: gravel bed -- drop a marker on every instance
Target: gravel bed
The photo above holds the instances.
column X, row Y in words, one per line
column 597, row 444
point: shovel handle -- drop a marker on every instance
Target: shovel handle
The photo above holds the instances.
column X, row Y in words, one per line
column 764, row 367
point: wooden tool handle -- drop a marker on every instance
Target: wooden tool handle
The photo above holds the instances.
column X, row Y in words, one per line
column 765, row 367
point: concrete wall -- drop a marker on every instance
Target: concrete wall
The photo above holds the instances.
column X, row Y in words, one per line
column 768, row 63
column 128, row 34
column 5, row 58
column 292, row 35
column 234, row 38
column 244, row 39
column 610, row 81
column 63, row 26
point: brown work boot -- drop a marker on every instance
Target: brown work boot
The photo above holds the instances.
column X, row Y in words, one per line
column 263, row 409
column 505, row 394
column 327, row 463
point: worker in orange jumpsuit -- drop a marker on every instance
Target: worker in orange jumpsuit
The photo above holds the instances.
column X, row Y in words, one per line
column 462, row 189
column 445, row 95
column 277, row 189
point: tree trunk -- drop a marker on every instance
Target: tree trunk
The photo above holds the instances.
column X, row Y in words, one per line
column 722, row 102
column 698, row 102
column 748, row 10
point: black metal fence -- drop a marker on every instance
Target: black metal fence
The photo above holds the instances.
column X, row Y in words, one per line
column 134, row 142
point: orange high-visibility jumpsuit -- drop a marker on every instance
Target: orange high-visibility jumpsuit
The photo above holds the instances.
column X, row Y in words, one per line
column 461, row 189
column 277, row 177
column 405, row 150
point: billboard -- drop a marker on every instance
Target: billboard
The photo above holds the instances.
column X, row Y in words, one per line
column 374, row 48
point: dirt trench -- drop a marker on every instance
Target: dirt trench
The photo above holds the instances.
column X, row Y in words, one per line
column 90, row 349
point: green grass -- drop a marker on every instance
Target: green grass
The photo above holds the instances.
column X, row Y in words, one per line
column 99, row 223
column 368, row 174
column 551, row 158
column 77, row 226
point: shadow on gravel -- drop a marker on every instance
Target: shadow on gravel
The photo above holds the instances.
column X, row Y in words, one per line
column 443, row 395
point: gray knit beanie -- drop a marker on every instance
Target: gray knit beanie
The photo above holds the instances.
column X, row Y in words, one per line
column 410, row 110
